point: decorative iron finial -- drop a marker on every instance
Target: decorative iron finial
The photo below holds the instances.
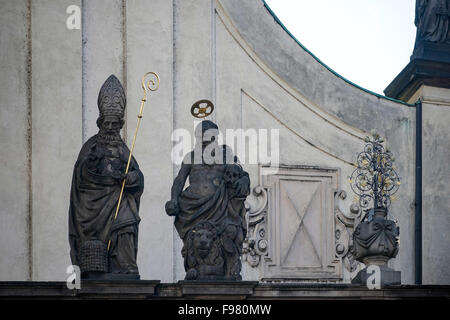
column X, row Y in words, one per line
column 374, row 180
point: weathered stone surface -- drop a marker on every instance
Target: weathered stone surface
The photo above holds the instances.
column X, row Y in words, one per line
column 301, row 242
column 139, row 290
column 231, row 52
column 436, row 184
column 249, row 39
column 103, row 54
column 240, row 290
column 15, row 141
column 152, row 50
column 435, row 181
column 56, row 132
column 89, row 289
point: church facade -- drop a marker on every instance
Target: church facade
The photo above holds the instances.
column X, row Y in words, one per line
column 306, row 123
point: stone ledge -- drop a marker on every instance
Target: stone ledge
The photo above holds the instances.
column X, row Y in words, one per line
column 229, row 289
column 213, row 290
column 102, row 289
column 417, row 73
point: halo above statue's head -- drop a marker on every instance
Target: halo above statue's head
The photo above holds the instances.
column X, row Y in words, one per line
column 202, row 108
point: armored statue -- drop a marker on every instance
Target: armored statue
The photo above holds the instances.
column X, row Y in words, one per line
column 210, row 212
column 433, row 21
column 102, row 244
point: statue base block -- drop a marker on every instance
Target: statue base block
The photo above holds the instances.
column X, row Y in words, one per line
column 388, row 277
column 429, row 65
column 438, row 52
column 110, row 276
column 195, row 290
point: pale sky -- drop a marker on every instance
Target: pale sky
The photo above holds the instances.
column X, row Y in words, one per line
column 366, row 41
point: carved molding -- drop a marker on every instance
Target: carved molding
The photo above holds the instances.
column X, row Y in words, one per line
column 255, row 244
column 263, row 203
column 344, row 228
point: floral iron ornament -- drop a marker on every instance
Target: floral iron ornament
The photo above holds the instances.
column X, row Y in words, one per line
column 375, row 239
column 374, row 181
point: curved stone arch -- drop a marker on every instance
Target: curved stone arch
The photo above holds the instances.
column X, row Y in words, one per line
column 329, row 118
column 284, row 101
column 299, row 114
column 273, row 44
column 254, row 53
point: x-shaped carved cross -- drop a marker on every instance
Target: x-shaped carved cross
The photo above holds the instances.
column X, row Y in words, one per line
column 302, row 217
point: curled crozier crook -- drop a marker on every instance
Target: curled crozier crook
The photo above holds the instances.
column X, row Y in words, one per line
column 152, row 84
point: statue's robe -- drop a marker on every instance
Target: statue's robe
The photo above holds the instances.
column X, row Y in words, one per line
column 219, row 208
column 223, row 210
column 433, row 20
column 93, row 202
column 195, row 208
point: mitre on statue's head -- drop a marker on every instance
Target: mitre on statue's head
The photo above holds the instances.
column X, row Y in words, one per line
column 111, row 98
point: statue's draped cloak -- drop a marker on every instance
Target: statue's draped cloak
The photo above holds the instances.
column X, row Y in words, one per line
column 433, row 20
column 93, row 202
column 380, row 232
column 217, row 209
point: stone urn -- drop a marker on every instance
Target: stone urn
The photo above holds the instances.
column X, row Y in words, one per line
column 375, row 242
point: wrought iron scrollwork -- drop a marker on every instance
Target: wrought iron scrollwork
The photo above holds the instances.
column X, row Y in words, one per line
column 374, row 180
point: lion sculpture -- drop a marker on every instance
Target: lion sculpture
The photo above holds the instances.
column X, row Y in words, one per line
column 202, row 253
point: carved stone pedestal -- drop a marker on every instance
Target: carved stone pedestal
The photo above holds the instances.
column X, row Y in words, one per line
column 110, row 276
column 200, row 290
column 388, row 276
column 375, row 242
